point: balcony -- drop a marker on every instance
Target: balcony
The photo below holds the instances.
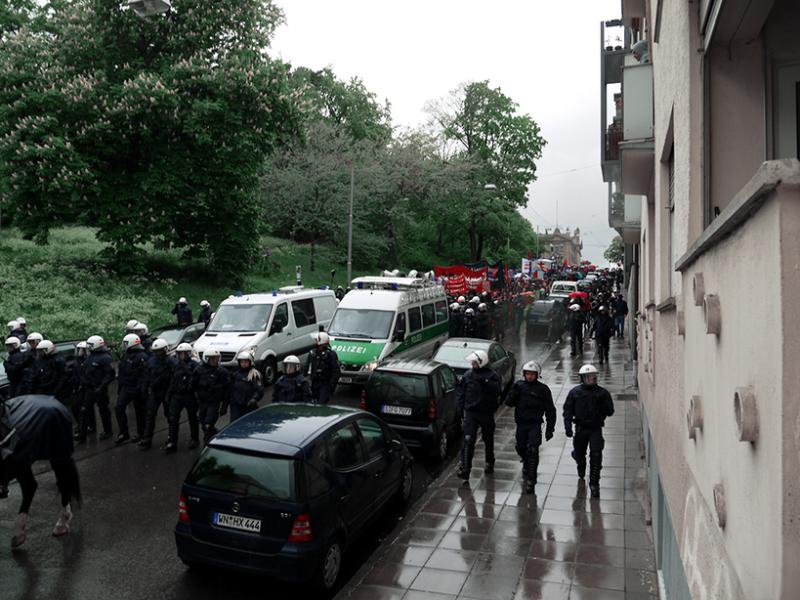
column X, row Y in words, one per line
column 616, row 211
column 614, row 46
column 632, row 219
column 636, row 150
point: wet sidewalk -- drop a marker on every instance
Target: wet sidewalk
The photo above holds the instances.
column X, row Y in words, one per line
column 490, row 541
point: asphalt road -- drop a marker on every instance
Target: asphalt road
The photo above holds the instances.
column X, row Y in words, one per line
column 121, row 545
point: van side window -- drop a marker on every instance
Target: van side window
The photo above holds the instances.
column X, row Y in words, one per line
column 344, row 448
column 304, row 314
column 441, row 311
column 414, row 319
column 428, row 315
column 281, row 318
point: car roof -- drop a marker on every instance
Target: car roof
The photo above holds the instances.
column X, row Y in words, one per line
column 419, row 366
column 469, row 343
column 282, row 429
column 276, row 296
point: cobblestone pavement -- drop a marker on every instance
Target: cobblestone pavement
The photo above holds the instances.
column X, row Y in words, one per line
column 489, row 540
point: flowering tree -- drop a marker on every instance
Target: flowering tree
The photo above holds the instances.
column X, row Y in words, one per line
column 150, row 130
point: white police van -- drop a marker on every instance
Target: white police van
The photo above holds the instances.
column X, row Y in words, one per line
column 379, row 317
column 270, row 326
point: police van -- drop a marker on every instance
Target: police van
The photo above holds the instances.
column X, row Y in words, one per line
column 387, row 316
column 271, row 326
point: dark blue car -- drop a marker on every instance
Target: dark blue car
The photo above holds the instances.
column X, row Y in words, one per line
column 286, row 489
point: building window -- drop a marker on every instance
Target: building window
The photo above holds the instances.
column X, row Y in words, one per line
column 671, row 219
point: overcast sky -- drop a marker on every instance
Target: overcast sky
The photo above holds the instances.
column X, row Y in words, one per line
column 542, row 53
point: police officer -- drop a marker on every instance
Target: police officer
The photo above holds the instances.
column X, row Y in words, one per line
column 339, row 293
column 292, row 386
column 16, row 365
column 576, row 321
column 21, row 330
column 603, row 327
column 483, row 322
column 205, row 313
column 97, row 374
column 587, row 407
column 533, row 403
column 323, row 369
column 145, row 338
column 180, row 396
column 456, row 326
column 47, row 374
column 72, row 385
column 160, row 367
column 478, row 393
column 130, row 327
column 131, row 387
column 246, row 390
column 211, row 386
column 470, row 323
column 183, row 313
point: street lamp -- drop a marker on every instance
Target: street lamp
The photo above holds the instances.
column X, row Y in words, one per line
column 149, row 8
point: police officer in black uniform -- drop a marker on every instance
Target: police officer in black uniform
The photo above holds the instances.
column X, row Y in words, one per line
column 144, row 336
column 587, row 407
column 160, row 367
column 131, row 387
column 456, row 325
column 183, row 313
column 72, row 386
column 470, row 327
column 16, row 364
column 180, row 396
column 478, row 394
column 323, row 369
column 97, row 374
column 577, row 320
column 484, row 322
column 533, row 403
column 211, row 386
column 47, row 374
column 292, row 386
column 205, row 313
column 246, row 388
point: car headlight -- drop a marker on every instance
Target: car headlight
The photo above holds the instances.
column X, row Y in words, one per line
column 370, row 366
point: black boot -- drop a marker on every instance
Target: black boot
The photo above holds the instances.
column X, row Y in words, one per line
column 581, row 466
column 594, row 480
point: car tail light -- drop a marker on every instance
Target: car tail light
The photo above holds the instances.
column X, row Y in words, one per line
column 301, row 529
column 432, row 410
column 183, row 512
column 363, row 404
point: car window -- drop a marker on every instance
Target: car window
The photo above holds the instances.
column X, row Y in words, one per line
column 324, row 306
column 400, row 325
column 304, row 313
column 192, row 333
column 496, row 353
column 438, row 384
column 449, row 378
column 344, row 448
column 244, row 474
column 392, row 388
column 281, row 317
column 374, row 438
column 441, row 311
column 428, row 315
column 315, row 471
column 414, row 319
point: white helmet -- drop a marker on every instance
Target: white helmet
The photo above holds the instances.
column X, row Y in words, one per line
column 35, row 337
column 475, row 300
column 131, row 340
column 211, row 353
column 46, row 347
column 321, row 338
column 588, row 370
column 141, row 329
column 482, row 307
column 204, row 303
column 602, row 307
column 455, row 306
column 81, row 347
column 291, row 360
column 95, row 342
column 461, row 299
column 532, row 366
column 22, row 322
column 181, row 300
column 469, row 312
column 12, row 325
column 131, row 325
column 244, row 355
column 13, row 342
column 480, row 357
column 159, row 344
column 574, row 307
column 183, row 347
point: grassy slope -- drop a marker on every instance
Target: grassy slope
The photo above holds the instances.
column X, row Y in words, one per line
column 65, row 292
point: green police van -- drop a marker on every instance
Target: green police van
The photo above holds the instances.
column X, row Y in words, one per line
column 387, row 316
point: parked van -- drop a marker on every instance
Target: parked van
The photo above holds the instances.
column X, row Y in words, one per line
column 271, row 326
column 401, row 317
column 562, row 289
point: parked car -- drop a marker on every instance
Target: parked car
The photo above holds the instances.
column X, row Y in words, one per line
column 175, row 334
column 454, row 354
column 65, row 349
column 547, row 317
column 286, row 489
column 562, row 289
column 417, row 398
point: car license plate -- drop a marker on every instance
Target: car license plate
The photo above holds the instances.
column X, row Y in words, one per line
column 237, row 522
column 345, row 380
column 404, row 411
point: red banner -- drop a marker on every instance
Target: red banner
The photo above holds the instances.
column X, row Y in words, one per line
column 456, row 286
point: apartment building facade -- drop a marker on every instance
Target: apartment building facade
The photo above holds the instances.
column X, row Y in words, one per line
column 700, row 103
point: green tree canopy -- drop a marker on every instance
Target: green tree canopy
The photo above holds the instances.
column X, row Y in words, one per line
column 615, row 253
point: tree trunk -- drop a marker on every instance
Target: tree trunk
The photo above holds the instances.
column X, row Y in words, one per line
column 393, row 248
column 479, row 253
column 473, row 239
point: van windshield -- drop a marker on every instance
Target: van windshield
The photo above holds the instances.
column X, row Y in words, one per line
column 244, row 474
column 241, row 317
column 361, row 323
